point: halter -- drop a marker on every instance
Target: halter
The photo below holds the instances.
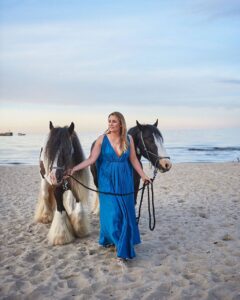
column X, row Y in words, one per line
column 149, row 152
column 63, row 182
column 57, row 168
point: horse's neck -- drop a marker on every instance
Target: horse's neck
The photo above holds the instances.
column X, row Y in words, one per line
column 137, row 149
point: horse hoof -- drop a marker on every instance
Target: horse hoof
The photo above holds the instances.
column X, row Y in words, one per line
column 61, row 240
column 46, row 218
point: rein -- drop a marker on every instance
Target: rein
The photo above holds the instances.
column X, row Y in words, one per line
column 151, row 212
column 101, row 192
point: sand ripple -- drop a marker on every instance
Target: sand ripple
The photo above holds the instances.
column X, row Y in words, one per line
column 194, row 252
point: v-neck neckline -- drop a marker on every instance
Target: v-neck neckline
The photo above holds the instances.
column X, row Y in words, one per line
column 113, row 148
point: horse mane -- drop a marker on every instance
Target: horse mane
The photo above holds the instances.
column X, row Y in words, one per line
column 133, row 131
column 78, row 155
column 59, row 140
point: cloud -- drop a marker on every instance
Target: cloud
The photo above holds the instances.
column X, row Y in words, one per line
column 233, row 81
column 216, row 9
column 143, row 59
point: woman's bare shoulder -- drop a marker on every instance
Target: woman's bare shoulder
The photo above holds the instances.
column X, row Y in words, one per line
column 100, row 139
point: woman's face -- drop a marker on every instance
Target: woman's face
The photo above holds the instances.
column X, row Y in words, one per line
column 114, row 124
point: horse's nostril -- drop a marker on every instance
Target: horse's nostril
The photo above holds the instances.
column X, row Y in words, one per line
column 168, row 166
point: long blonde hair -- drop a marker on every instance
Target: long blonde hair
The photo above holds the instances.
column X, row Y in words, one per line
column 123, row 130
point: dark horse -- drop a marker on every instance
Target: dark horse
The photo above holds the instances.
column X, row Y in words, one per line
column 62, row 152
column 148, row 142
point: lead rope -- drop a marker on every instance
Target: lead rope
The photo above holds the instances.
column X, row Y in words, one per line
column 101, row 192
column 151, row 211
column 151, row 207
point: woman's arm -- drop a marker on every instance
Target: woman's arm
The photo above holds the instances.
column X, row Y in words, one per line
column 135, row 163
column 91, row 159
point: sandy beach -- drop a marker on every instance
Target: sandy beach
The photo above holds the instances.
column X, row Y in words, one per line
column 193, row 253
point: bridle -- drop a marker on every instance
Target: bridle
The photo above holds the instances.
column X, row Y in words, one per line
column 149, row 152
column 53, row 167
column 57, row 168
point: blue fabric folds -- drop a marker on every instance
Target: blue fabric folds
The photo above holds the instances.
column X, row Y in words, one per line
column 117, row 213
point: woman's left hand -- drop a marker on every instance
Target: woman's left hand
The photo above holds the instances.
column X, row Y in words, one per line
column 68, row 173
column 146, row 179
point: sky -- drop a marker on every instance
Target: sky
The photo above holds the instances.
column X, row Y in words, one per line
column 177, row 61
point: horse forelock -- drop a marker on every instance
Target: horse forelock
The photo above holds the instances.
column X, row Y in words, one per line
column 58, row 141
column 156, row 132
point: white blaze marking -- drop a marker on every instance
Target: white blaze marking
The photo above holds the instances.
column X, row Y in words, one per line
column 161, row 149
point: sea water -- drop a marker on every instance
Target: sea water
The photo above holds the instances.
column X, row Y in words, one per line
column 221, row 145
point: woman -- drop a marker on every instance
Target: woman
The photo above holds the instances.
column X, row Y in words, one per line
column 114, row 154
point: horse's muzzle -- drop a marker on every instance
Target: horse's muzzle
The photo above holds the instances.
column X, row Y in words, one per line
column 164, row 165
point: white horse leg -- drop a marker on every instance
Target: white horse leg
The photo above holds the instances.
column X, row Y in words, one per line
column 61, row 231
column 96, row 207
column 45, row 206
column 79, row 220
column 77, row 214
column 69, row 201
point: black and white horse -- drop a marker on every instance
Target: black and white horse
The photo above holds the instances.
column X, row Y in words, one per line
column 149, row 143
column 65, row 207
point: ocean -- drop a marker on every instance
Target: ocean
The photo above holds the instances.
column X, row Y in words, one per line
column 183, row 146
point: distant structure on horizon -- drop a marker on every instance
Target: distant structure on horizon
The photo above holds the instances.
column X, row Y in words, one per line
column 8, row 133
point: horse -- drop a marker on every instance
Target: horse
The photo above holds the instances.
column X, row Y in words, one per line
column 62, row 203
column 149, row 143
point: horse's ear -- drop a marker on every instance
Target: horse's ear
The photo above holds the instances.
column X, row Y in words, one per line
column 51, row 125
column 139, row 125
column 156, row 123
column 71, row 128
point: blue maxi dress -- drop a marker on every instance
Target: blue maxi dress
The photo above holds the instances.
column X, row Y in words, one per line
column 118, row 224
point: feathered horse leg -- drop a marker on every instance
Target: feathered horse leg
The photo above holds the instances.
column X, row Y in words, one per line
column 96, row 208
column 45, row 205
column 61, row 231
column 77, row 215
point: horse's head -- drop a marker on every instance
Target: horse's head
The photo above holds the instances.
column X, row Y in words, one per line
column 59, row 151
column 149, row 143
